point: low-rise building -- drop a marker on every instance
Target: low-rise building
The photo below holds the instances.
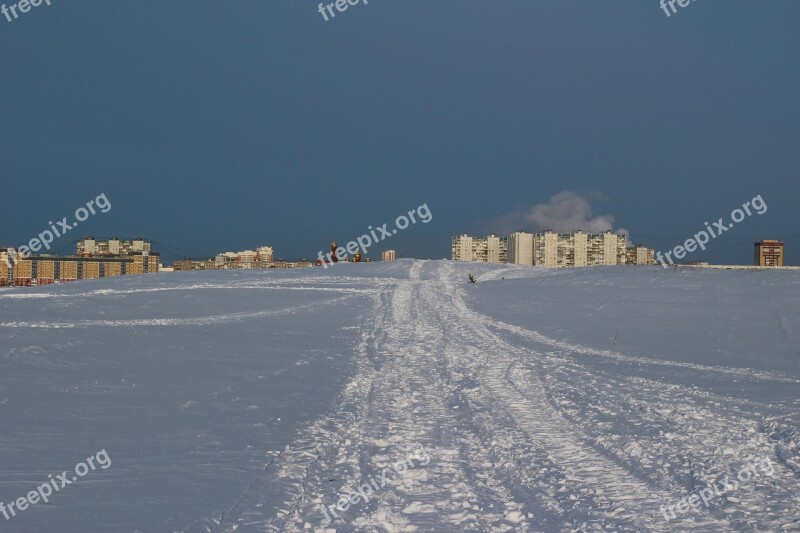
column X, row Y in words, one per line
column 186, row 264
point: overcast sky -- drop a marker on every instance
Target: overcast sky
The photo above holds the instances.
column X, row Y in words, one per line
column 216, row 126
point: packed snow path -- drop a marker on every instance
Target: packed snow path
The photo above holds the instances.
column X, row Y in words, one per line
column 523, row 433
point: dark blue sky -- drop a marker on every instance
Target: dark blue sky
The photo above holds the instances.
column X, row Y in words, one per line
column 215, row 126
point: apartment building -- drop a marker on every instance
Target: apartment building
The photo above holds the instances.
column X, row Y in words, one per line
column 191, row 264
column 91, row 247
column 606, row 249
column 520, row 248
column 640, row 255
column 463, row 248
column 489, row 249
column 768, row 252
column 388, row 255
column 549, row 249
column 571, row 249
column 264, row 254
column 496, row 249
column 5, row 267
column 280, row 263
column 545, row 249
column 577, row 249
column 144, row 263
column 261, row 257
column 47, row 269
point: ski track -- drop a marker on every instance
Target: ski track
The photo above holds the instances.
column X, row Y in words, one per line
column 522, row 432
column 195, row 321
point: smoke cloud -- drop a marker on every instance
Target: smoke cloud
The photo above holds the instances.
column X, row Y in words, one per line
column 564, row 213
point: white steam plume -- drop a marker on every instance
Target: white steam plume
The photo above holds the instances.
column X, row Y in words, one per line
column 564, row 213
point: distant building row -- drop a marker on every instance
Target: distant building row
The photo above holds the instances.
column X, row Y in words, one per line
column 550, row 249
column 261, row 257
column 112, row 247
column 245, row 259
column 94, row 259
column 47, row 269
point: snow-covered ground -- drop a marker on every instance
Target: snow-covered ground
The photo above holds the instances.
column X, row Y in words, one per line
column 533, row 400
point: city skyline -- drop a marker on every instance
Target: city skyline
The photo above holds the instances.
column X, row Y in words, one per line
column 566, row 213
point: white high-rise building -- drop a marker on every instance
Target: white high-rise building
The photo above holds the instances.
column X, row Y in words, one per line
column 87, row 246
column 640, row 255
column 606, row 249
column 462, row 249
column 496, row 249
column 140, row 245
column 545, row 249
column 578, row 249
column 572, row 249
column 113, row 246
column 580, row 243
column 491, row 249
column 520, row 248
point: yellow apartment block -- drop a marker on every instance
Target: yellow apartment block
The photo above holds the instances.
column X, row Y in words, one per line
column 91, row 270
column 69, row 271
column 135, row 268
column 144, row 263
column 112, row 268
column 46, row 269
column 23, row 269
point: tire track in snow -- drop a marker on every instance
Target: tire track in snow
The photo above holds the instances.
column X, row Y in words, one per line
column 196, row 321
column 287, row 493
column 695, row 437
column 618, row 498
column 412, row 403
column 503, row 457
column 577, row 348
